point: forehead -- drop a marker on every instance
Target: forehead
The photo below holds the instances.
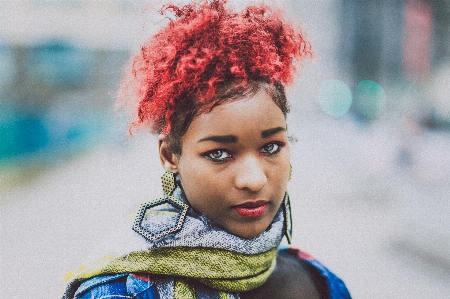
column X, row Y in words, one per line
column 254, row 113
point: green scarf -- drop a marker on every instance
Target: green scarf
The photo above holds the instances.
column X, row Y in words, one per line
column 219, row 269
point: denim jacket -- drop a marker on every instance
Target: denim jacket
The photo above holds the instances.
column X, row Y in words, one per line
column 117, row 286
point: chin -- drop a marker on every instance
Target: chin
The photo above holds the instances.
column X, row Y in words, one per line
column 249, row 233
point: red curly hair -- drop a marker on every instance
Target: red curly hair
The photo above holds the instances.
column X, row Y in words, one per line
column 206, row 55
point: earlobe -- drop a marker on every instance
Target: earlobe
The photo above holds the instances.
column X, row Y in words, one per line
column 169, row 160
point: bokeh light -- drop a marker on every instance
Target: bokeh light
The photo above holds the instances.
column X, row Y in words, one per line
column 370, row 99
column 335, row 97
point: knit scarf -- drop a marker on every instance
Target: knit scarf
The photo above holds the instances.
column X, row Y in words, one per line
column 198, row 261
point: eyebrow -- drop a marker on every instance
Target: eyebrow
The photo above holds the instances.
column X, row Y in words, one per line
column 272, row 131
column 221, row 138
column 234, row 138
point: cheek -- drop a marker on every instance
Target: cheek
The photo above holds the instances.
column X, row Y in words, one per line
column 283, row 166
column 189, row 167
column 203, row 195
column 196, row 181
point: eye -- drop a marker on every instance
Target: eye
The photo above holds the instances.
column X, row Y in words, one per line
column 271, row 148
column 218, row 155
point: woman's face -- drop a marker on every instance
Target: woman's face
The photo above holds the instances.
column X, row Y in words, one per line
column 234, row 165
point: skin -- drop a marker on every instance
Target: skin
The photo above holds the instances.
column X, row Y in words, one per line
column 235, row 154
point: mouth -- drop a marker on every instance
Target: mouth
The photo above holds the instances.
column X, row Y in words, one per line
column 250, row 209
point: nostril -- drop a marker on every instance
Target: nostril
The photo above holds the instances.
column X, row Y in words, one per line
column 251, row 180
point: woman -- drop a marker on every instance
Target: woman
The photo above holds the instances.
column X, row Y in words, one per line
column 211, row 84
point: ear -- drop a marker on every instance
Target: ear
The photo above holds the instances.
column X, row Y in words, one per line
column 169, row 160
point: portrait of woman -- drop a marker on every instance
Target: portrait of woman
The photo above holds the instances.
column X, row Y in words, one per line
column 211, row 85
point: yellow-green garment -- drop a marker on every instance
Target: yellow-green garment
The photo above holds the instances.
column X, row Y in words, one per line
column 219, row 269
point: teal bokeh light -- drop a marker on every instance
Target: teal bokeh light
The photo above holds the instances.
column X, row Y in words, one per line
column 335, row 97
column 370, row 99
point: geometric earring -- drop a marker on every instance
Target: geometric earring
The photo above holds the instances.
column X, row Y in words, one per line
column 287, row 227
column 169, row 185
column 168, row 182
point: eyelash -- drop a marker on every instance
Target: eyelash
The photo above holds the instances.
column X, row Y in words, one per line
column 207, row 155
column 217, row 160
column 279, row 147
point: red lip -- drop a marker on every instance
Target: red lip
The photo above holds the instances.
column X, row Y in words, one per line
column 249, row 209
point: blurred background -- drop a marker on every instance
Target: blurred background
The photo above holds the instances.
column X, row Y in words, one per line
column 370, row 115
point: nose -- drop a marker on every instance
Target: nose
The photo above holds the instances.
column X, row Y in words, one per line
column 250, row 175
